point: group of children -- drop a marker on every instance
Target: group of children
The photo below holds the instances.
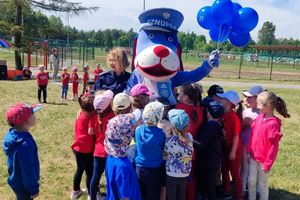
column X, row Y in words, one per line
column 66, row 78
column 152, row 150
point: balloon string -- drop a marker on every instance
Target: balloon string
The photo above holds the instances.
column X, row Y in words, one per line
column 219, row 36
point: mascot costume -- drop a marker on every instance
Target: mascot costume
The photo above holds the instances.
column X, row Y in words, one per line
column 157, row 55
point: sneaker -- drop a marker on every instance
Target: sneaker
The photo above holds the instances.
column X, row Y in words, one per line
column 76, row 194
column 45, row 101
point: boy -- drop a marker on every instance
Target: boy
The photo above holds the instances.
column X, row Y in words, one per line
column 42, row 81
column 120, row 176
column 21, row 151
column 65, row 78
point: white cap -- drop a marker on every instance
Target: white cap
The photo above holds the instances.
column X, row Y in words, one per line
column 231, row 96
column 253, row 91
column 121, row 101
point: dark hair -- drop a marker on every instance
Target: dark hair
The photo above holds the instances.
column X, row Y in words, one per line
column 86, row 103
column 239, row 110
column 140, row 101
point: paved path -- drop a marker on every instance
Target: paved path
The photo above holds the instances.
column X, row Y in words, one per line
column 249, row 84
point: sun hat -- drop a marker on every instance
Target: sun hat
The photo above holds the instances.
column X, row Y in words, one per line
column 214, row 89
column 153, row 112
column 121, row 101
column 253, row 91
column 179, row 119
column 20, row 113
column 102, row 101
column 139, row 89
column 231, row 96
column 215, row 109
column 74, row 68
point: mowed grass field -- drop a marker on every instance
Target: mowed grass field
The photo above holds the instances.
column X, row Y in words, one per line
column 54, row 136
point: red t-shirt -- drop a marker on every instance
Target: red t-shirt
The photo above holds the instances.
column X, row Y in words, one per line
column 264, row 141
column 232, row 127
column 97, row 73
column 85, row 77
column 42, row 78
column 83, row 142
column 100, row 133
column 74, row 77
column 65, row 78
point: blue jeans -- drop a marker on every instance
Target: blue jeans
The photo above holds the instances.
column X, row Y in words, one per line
column 99, row 167
column 64, row 91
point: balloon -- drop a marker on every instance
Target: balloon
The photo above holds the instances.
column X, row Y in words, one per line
column 246, row 20
column 219, row 33
column 236, row 6
column 205, row 18
column 222, row 11
column 239, row 39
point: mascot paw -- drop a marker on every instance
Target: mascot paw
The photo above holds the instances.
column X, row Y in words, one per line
column 214, row 58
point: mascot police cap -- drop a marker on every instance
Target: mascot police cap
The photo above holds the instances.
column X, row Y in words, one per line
column 164, row 19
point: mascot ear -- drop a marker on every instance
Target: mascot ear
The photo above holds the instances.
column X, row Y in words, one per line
column 134, row 52
column 179, row 51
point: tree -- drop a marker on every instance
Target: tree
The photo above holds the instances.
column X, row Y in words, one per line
column 266, row 35
column 17, row 7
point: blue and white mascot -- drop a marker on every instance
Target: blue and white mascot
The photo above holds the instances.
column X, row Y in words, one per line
column 157, row 55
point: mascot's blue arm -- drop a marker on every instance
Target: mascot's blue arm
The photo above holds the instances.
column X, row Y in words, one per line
column 132, row 81
column 186, row 77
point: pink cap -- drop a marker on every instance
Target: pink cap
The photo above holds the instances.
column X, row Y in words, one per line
column 102, row 101
column 20, row 113
column 139, row 89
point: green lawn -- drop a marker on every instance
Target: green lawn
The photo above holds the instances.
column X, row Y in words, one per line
column 54, row 136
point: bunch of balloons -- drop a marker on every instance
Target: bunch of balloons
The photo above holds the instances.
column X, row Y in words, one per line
column 228, row 20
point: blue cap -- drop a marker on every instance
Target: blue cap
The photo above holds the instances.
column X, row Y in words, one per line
column 164, row 19
column 215, row 109
column 179, row 119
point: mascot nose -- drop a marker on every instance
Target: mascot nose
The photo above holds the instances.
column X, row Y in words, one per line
column 161, row 51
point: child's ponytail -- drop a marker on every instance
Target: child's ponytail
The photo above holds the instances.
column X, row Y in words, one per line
column 281, row 108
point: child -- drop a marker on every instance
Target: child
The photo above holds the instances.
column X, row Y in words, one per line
column 209, row 150
column 264, row 142
column 178, row 149
column 83, row 146
column 97, row 72
column 121, row 179
column 85, row 77
column 75, row 81
column 212, row 93
column 89, row 88
column 232, row 148
column 65, row 77
column 42, row 82
column 21, row 151
column 188, row 97
column 26, row 73
column 249, row 114
column 150, row 142
column 102, row 106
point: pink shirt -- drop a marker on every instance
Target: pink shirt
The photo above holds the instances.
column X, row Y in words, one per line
column 264, row 142
column 83, row 142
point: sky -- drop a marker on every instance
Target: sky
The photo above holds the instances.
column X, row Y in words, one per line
column 122, row 14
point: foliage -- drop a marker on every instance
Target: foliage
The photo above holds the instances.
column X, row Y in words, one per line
column 266, row 35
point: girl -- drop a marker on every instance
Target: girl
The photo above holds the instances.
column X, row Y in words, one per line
column 83, row 146
column 75, row 82
column 178, row 149
column 188, row 97
column 264, row 142
column 102, row 105
column 85, row 77
column 232, row 148
column 97, row 72
column 42, row 82
column 65, row 77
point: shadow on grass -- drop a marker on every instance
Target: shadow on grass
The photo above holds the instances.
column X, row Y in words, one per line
column 279, row 194
column 57, row 103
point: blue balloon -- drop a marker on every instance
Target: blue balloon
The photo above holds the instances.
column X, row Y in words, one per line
column 205, row 18
column 236, row 7
column 246, row 20
column 239, row 39
column 222, row 11
column 219, row 33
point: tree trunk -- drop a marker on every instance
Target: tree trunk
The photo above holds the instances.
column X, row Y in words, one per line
column 18, row 39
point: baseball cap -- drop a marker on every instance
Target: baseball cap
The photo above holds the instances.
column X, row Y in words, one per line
column 153, row 112
column 179, row 119
column 139, row 89
column 231, row 96
column 215, row 109
column 215, row 89
column 102, row 101
column 20, row 113
column 121, row 101
column 253, row 91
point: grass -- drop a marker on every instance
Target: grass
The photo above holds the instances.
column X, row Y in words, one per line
column 54, row 136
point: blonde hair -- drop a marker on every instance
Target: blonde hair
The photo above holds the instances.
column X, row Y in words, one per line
column 268, row 97
column 120, row 55
column 181, row 134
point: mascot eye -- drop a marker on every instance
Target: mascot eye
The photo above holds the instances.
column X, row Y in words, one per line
column 151, row 35
column 170, row 39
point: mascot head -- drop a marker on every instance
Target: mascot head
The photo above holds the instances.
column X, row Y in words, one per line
column 157, row 54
